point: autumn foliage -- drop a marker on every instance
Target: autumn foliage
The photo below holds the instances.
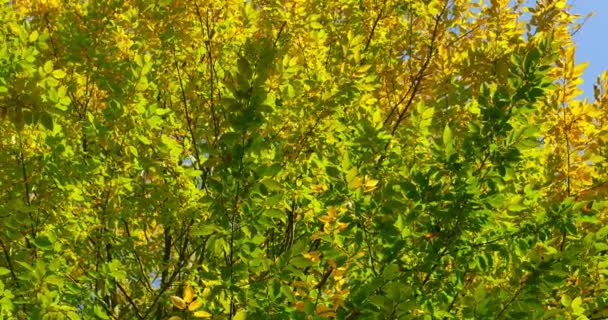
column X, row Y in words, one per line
column 299, row 159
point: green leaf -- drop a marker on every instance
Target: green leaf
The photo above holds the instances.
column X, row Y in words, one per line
column 245, row 70
column 240, row 315
column 316, row 25
column 162, row 111
column 99, row 312
column 116, row 270
column 43, row 242
column 33, row 36
column 206, row 229
column 46, row 120
column 448, row 141
column 144, row 140
column 4, row 271
column 142, row 84
column 48, row 67
column 577, row 306
column 301, row 262
column 55, row 280
column 59, row 74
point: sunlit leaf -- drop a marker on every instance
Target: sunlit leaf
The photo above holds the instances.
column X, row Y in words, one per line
column 178, row 302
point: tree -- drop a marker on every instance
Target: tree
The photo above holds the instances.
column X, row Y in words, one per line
column 299, row 159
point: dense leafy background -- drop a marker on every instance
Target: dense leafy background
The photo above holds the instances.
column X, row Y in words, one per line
column 303, row 159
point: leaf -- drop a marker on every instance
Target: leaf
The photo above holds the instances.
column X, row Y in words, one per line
column 206, row 229
column 65, row 101
column 162, row 111
column 370, row 184
column 43, row 242
column 4, row 271
column 33, row 36
column 194, row 305
column 206, row 293
column 117, row 270
column 577, row 306
column 301, row 262
column 142, row 84
column 48, row 67
column 316, row 25
column 202, row 314
column 99, row 312
column 55, row 280
column 178, row 302
column 241, row 315
column 144, row 140
column 46, row 120
column 245, row 70
column 448, row 142
column 59, row 74
column 188, row 293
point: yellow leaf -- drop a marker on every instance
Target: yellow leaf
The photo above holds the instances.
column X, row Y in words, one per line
column 175, row 318
column 188, row 293
column 370, row 185
column 312, row 256
column 356, row 183
column 178, row 302
column 317, row 235
column 202, row 314
column 195, row 305
column 363, row 68
column 318, row 188
column 331, row 211
column 325, row 312
column 326, row 219
column 341, row 226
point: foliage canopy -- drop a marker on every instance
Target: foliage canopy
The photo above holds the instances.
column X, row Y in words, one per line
column 305, row 159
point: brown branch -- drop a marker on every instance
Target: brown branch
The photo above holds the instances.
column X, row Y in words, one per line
column 276, row 40
column 210, row 34
column 413, row 90
column 9, row 263
column 435, row 265
column 131, row 302
column 139, row 263
column 108, row 311
column 194, row 142
column 375, row 24
column 162, row 290
column 26, row 194
column 522, row 284
column 325, row 278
